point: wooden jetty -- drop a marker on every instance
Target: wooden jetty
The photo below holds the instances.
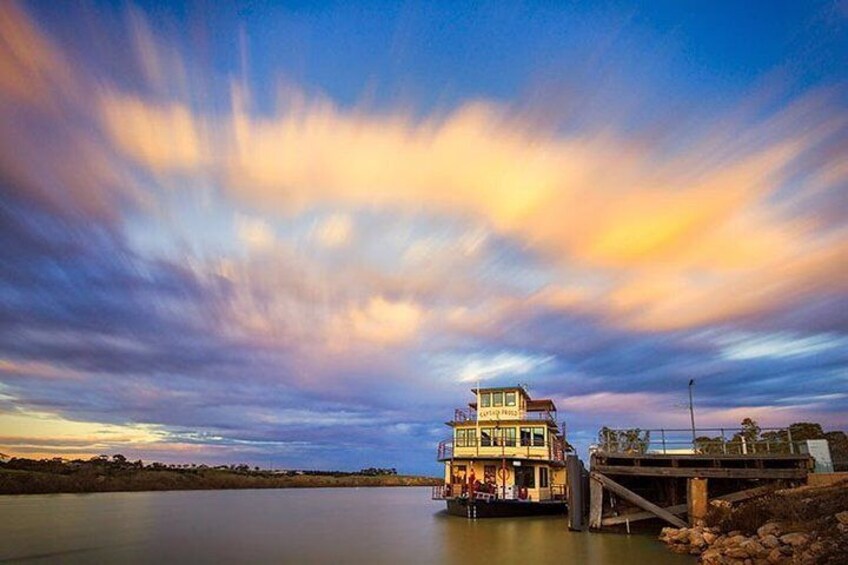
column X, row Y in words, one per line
column 650, row 474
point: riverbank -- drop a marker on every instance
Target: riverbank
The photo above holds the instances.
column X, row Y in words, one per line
column 108, row 479
column 806, row 525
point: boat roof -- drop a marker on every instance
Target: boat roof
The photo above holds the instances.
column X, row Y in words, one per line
column 541, row 405
column 514, row 388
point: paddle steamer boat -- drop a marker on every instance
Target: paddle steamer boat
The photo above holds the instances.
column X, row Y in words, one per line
column 506, row 457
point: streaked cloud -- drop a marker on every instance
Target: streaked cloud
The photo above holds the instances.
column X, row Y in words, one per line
column 499, row 365
column 255, row 233
column 207, row 253
column 162, row 138
column 778, row 345
column 334, row 231
column 383, row 321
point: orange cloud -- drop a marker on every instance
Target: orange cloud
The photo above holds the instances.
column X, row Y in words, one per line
column 30, row 66
column 162, row 137
column 382, row 321
column 668, row 232
column 676, row 236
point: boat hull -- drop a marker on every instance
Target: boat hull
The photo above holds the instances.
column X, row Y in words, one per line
column 502, row 508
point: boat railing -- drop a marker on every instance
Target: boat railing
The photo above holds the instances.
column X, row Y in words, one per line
column 461, row 490
column 461, row 415
column 464, row 415
column 510, row 446
column 441, row 492
column 542, row 416
column 559, row 492
column 445, row 449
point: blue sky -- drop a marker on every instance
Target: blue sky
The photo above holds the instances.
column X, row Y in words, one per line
column 299, row 233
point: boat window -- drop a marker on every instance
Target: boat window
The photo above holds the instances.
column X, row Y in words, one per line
column 465, row 438
column 497, row 399
column 543, row 477
column 526, row 437
column 458, row 474
column 485, row 399
column 486, row 437
column 510, row 399
column 538, row 437
column 525, row 477
column 509, row 437
column 497, row 436
column 489, row 474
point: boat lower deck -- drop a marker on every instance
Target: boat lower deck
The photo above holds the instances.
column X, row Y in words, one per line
column 499, row 508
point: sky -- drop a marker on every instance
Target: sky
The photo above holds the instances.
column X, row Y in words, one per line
column 297, row 234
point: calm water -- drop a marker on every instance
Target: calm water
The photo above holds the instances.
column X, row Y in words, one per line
column 374, row 525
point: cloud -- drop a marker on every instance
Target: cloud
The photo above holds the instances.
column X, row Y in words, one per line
column 503, row 365
column 31, row 67
column 344, row 259
column 162, row 137
column 778, row 346
column 334, row 231
column 668, row 229
column 255, row 233
column 382, row 321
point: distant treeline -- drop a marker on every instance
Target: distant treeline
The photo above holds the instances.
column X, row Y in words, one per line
column 117, row 473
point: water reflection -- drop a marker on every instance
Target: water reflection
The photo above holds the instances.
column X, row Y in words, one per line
column 382, row 525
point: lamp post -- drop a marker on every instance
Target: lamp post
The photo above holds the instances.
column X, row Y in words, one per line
column 692, row 411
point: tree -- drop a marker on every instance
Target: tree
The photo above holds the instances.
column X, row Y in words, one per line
column 745, row 440
column 710, row 445
column 608, row 439
column 802, row 431
column 750, row 430
column 633, row 440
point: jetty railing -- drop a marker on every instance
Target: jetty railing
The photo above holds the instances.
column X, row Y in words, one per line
column 712, row 441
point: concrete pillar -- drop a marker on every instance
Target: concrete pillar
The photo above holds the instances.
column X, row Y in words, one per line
column 697, row 501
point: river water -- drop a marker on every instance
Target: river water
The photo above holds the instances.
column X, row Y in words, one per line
column 340, row 525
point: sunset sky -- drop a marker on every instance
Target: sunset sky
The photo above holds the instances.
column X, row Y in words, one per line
column 299, row 234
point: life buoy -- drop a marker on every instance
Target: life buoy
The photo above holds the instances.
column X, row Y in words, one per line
column 503, row 473
column 522, row 493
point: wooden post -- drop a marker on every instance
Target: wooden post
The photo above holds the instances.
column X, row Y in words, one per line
column 673, row 497
column 596, row 502
column 697, row 501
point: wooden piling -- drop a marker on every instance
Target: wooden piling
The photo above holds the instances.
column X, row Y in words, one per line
column 596, row 502
column 696, row 500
